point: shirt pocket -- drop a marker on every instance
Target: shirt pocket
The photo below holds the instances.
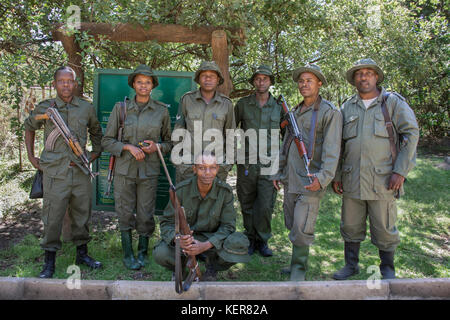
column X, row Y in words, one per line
column 218, row 120
column 82, row 131
column 128, row 130
column 381, row 178
column 380, row 126
column 275, row 120
column 350, row 128
column 347, row 177
column 192, row 119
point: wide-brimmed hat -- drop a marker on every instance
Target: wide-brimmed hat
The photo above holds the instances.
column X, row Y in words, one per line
column 310, row 67
column 209, row 66
column 235, row 248
column 146, row 71
column 364, row 63
column 263, row 69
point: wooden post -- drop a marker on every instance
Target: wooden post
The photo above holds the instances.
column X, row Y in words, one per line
column 219, row 47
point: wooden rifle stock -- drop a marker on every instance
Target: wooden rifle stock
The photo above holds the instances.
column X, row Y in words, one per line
column 181, row 228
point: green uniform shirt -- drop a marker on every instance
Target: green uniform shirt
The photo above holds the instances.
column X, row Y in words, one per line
column 366, row 164
column 217, row 114
column 80, row 117
column 214, row 216
column 326, row 149
column 151, row 123
column 249, row 115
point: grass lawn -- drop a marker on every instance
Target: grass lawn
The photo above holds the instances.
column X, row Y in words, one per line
column 423, row 222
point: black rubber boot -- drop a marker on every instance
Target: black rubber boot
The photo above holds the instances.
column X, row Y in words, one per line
column 142, row 256
column 351, row 253
column 251, row 247
column 83, row 258
column 387, row 268
column 299, row 263
column 264, row 249
column 129, row 260
column 49, row 265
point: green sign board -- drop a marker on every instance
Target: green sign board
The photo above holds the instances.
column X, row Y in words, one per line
column 111, row 86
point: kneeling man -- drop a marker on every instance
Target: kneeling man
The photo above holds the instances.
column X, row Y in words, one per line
column 208, row 205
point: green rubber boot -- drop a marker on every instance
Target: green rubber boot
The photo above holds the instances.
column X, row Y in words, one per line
column 299, row 262
column 128, row 256
column 142, row 256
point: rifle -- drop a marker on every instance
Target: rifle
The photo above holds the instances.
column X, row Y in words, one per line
column 293, row 128
column 112, row 159
column 63, row 130
column 181, row 228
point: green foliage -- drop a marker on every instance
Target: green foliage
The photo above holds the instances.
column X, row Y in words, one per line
column 409, row 39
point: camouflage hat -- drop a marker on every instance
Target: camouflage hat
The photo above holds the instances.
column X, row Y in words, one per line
column 314, row 69
column 209, row 66
column 365, row 63
column 146, row 71
column 263, row 69
column 235, row 248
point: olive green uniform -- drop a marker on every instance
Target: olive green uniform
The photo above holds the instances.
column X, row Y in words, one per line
column 366, row 167
column 301, row 206
column 212, row 219
column 65, row 185
column 217, row 114
column 256, row 192
column 135, row 182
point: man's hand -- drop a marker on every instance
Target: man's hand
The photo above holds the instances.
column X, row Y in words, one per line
column 137, row 153
column 276, row 184
column 94, row 156
column 35, row 162
column 337, row 187
column 193, row 247
column 396, row 181
column 315, row 185
column 150, row 148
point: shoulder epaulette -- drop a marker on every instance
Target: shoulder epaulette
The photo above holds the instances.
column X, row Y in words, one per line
column 398, row 95
column 225, row 185
column 161, row 103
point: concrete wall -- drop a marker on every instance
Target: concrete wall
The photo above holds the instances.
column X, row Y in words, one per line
column 57, row 289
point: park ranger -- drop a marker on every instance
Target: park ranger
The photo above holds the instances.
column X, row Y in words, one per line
column 367, row 177
column 66, row 182
column 208, row 205
column 206, row 108
column 255, row 191
column 137, row 166
column 321, row 124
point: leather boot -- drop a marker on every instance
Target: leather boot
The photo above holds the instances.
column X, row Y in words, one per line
column 351, row 254
column 387, row 264
column 299, row 262
column 49, row 265
column 142, row 256
column 129, row 260
column 264, row 249
column 83, row 258
column 251, row 247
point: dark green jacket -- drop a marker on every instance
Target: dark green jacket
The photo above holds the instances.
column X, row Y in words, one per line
column 152, row 123
column 80, row 117
column 214, row 216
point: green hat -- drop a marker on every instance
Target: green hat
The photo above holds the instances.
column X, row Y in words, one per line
column 146, row 71
column 209, row 66
column 263, row 69
column 235, row 248
column 314, row 69
column 365, row 63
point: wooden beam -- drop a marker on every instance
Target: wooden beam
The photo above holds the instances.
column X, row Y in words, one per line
column 219, row 47
column 159, row 32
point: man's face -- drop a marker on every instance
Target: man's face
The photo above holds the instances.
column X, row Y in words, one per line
column 365, row 80
column 207, row 170
column 261, row 83
column 309, row 84
column 208, row 80
column 143, row 85
column 65, row 84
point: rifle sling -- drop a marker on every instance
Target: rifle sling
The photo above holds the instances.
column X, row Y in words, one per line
column 389, row 128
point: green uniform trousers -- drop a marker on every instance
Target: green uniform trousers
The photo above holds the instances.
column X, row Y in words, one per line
column 184, row 172
column 256, row 195
column 300, row 215
column 164, row 255
column 136, row 195
column 74, row 191
column 382, row 217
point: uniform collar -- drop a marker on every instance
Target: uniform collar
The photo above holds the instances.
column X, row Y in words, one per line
column 133, row 104
column 60, row 103
column 271, row 101
column 195, row 193
column 299, row 107
column 198, row 96
column 357, row 99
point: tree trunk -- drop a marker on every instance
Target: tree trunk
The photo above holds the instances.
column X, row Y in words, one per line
column 219, row 47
